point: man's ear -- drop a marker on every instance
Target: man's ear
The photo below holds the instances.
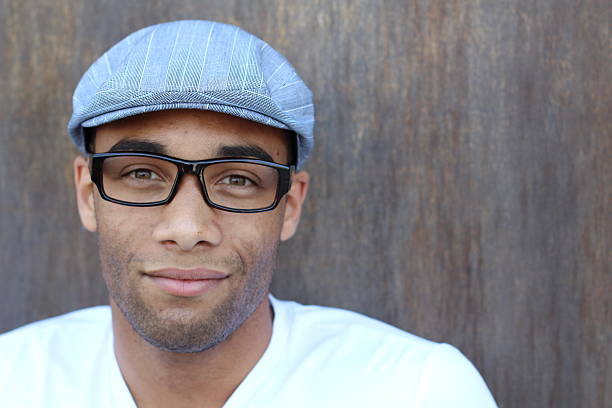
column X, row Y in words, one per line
column 84, row 193
column 293, row 204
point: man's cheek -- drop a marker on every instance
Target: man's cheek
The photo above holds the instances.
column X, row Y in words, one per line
column 117, row 247
column 248, row 238
column 118, row 225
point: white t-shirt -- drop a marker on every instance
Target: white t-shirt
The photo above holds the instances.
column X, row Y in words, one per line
column 317, row 357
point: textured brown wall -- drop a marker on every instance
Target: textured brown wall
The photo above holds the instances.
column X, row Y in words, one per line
column 462, row 177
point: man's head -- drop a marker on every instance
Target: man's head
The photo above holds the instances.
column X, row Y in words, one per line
column 186, row 270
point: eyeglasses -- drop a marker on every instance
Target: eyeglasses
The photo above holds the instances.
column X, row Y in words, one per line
column 231, row 184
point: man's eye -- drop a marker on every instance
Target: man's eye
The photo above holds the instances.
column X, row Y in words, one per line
column 236, row 180
column 142, row 174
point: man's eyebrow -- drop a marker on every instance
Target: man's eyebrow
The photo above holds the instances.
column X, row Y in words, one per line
column 244, row 151
column 138, row 145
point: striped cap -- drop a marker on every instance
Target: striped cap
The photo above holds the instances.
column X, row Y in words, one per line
column 194, row 64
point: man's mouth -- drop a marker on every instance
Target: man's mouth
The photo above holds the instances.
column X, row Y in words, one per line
column 186, row 282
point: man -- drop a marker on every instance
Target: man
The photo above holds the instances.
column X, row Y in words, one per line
column 194, row 135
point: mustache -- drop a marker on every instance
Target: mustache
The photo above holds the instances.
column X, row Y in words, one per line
column 229, row 262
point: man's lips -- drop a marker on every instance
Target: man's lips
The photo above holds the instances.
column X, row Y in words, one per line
column 187, row 274
column 186, row 282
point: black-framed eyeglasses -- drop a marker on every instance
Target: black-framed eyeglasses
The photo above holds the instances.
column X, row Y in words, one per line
column 240, row 185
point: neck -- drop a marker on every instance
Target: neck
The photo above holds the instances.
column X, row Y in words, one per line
column 158, row 378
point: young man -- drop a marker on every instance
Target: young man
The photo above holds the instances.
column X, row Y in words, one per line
column 194, row 135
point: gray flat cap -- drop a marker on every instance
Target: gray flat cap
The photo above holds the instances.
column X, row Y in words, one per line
column 194, row 64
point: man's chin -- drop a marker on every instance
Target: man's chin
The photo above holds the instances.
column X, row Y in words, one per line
column 180, row 327
column 182, row 344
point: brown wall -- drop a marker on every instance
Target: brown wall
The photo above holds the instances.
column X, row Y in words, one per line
column 462, row 177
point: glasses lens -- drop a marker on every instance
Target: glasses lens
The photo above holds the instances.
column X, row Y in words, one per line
column 241, row 186
column 137, row 179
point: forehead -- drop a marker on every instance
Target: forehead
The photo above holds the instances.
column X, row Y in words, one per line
column 193, row 134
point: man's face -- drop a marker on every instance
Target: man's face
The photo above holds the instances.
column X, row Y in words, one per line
column 185, row 236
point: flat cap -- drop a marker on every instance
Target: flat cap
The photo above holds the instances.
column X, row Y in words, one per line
column 194, row 64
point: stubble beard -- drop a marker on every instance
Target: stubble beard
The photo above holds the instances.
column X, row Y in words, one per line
column 181, row 331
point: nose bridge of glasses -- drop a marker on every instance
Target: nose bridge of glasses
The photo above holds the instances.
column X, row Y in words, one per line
column 190, row 168
column 194, row 169
column 186, row 172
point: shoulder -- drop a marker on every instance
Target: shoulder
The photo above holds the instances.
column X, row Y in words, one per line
column 64, row 335
column 373, row 359
column 321, row 322
column 48, row 357
column 56, row 331
column 449, row 379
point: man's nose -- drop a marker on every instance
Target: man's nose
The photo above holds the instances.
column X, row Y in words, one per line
column 188, row 221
